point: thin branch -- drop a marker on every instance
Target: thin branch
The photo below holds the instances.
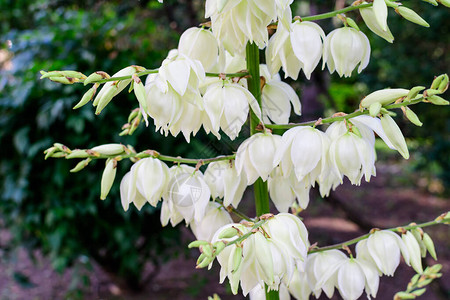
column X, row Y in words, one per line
column 442, row 219
column 336, row 12
column 341, row 118
column 235, row 211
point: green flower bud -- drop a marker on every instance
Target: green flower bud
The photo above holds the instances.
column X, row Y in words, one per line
column 81, row 165
column 106, row 98
column 205, row 262
column 86, row 97
column 404, row 295
column 374, row 109
column 434, row 269
column 412, row 117
column 73, row 74
column 96, row 77
column 196, row 244
column 411, row 16
column 77, row 154
column 109, row 149
column 134, row 113
column 139, row 91
column 428, row 242
column 443, row 86
column 49, row 152
column 228, row 233
column 108, row 178
column 444, row 2
column 436, row 100
column 432, row 92
column 206, row 249
column 384, row 97
column 200, row 258
column 219, row 246
column 235, row 259
column 437, row 81
column 414, row 92
column 395, row 135
column 352, row 23
column 419, row 292
column 62, row 80
column 432, row 2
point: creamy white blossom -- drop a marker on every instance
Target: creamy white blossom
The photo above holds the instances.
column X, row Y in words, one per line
column 199, row 44
column 227, row 106
column 413, row 247
column 296, row 47
column 187, row 196
column 354, row 276
column 344, row 49
column 255, row 156
column 259, row 293
column 277, row 97
column 237, row 22
column 145, row 182
column 298, row 286
column 215, row 218
column 224, row 182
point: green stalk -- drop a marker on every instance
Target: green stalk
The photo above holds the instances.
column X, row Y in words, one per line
column 260, row 187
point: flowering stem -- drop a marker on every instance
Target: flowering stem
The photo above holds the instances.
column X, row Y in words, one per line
column 155, row 71
column 260, row 188
column 341, row 118
column 235, row 211
column 442, row 219
column 336, row 12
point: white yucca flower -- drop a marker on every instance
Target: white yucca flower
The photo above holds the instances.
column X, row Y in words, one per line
column 215, row 217
column 321, row 271
column 199, row 44
column 298, row 286
column 354, row 276
column 284, row 190
column 187, row 196
column 236, row 22
column 277, row 97
column 350, row 154
column 227, row 106
column 375, row 18
column 382, row 249
column 296, row 47
column 344, row 49
column 183, row 75
column 145, row 182
column 303, row 150
column 224, row 182
column 413, row 247
column 259, row 293
column 255, row 156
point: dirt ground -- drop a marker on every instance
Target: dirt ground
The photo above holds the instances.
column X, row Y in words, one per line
column 382, row 203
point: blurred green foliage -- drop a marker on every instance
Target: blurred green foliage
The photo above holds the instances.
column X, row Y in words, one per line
column 42, row 204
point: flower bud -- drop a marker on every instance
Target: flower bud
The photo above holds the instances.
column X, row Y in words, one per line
column 108, row 178
column 109, row 149
column 443, row 86
column 412, row 117
column 374, row 109
column 436, row 100
column 351, row 23
column 139, row 91
column 413, row 249
column 395, row 135
column 381, row 13
column 77, row 154
column 196, row 244
column 384, row 97
column 81, row 165
column 235, row 259
column 429, row 245
column 86, row 97
column 228, row 233
column 432, row 2
column 444, row 2
column 411, row 15
column 371, row 18
column 414, row 92
column 97, row 76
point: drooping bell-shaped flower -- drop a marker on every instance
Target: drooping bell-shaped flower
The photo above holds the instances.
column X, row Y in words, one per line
column 375, row 18
column 289, row 231
column 296, row 47
column 199, row 44
column 298, row 286
column 255, row 156
column 277, row 97
column 415, row 259
column 344, row 49
column 284, row 190
column 351, row 155
column 237, row 22
column 259, row 293
column 224, row 182
column 227, row 106
column 321, row 271
column 215, row 218
column 353, row 277
column 183, row 75
column 187, row 195
column 189, row 122
column 382, row 248
column 146, row 182
column 303, row 150
column 395, row 135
